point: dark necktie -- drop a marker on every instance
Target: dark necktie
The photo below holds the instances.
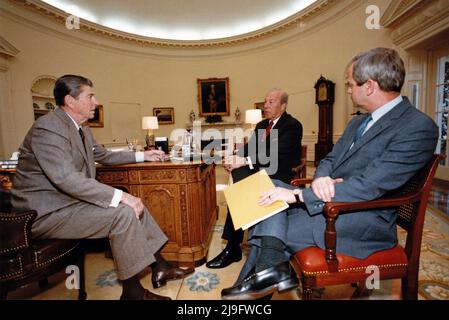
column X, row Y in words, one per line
column 267, row 130
column 362, row 127
column 80, row 130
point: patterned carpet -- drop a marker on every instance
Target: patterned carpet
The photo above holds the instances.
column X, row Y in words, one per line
column 434, row 267
column 206, row 284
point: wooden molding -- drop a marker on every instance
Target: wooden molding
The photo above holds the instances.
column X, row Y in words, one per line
column 295, row 21
column 414, row 21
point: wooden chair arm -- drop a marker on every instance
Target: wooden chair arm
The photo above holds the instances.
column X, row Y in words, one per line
column 331, row 211
column 300, row 181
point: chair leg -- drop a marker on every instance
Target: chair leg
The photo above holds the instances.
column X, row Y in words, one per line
column 409, row 288
column 82, row 295
column 361, row 290
column 307, row 288
column 3, row 292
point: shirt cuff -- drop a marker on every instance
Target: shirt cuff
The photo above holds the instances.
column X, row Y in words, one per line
column 250, row 163
column 116, row 198
column 301, row 198
column 140, row 156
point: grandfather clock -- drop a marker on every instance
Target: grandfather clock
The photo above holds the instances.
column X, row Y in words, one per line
column 324, row 98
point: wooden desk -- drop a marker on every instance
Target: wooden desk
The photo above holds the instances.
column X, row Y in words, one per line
column 180, row 196
column 6, row 177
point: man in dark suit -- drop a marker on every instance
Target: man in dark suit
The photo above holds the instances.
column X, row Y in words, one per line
column 378, row 152
column 279, row 133
column 56, row 177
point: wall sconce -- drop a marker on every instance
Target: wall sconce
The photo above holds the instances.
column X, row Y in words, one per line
column 149, row 124
column 253, row 116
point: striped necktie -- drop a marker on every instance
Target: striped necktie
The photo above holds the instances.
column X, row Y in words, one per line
column 362, row 127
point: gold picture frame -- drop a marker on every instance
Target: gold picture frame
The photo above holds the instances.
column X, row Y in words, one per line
column 98, row 120
column 164, row 115
column 213, row 96
column 260, row 105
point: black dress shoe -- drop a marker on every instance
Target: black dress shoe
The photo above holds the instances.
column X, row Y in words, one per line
column 225, row 258
column 160, row 276
column 263, row 283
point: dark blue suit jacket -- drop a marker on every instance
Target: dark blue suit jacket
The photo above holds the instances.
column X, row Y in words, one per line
column 399, row 144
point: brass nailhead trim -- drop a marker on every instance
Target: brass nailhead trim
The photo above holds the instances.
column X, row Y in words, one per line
column 24, row 232
column 14, row 273
column 54, row 259
column 354, row 269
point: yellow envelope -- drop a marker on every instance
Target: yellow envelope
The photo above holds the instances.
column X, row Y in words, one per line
column 242, row 199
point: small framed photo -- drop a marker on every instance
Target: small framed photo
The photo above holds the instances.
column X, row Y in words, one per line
column 259, row 105
column 98, row 120
column 164, row 115
column 213, row 96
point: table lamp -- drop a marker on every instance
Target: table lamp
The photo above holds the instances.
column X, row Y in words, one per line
column 253, row 116
column 150, row 124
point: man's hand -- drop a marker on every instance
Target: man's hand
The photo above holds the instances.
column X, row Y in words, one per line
column 324, row 188
column 135, row 203
column 155, row 155
column 275, row 194
column 233, row 162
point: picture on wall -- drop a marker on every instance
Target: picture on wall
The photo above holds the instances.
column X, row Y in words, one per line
column 164, row 115
column 213, row 96
column 259, row 105
column 98, row 120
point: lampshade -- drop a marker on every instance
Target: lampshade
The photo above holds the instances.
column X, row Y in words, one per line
column 253, row 116
column 149, row 123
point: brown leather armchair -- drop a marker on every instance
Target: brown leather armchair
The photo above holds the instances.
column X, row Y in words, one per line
column 318, row 268
column 24, row 260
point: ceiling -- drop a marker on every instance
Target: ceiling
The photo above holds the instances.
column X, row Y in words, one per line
column 183, row 19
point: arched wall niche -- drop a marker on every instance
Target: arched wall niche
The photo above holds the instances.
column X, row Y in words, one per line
column 42, row 95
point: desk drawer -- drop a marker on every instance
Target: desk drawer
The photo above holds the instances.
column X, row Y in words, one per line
column 113, row 177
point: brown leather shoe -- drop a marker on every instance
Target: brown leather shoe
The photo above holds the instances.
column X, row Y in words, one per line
column 148, row 295
column 160, row 276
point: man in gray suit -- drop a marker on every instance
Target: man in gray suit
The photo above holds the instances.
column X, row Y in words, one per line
column 378, row 152
column 56, row 177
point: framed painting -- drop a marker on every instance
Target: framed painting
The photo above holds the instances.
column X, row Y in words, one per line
column 259, row 105
column 213, row 96
column 98, row 119
column 164, row 115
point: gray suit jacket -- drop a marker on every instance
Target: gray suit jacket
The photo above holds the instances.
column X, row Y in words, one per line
column 54, row 169
column 383, row 159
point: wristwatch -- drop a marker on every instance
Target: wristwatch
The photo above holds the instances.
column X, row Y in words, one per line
column 297, row 192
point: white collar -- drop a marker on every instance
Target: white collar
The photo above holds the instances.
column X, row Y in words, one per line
column 76, row 124
column 380, row 112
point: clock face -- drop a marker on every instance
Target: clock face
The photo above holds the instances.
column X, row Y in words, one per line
column 322, row 92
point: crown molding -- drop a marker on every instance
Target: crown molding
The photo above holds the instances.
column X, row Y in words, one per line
column 51, row 21
column 7, row 49
column 399, row 10
column 414, row 21
column 292, row 22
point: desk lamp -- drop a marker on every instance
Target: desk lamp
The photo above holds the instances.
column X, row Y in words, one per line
column 253, row 116
column 150, row 124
